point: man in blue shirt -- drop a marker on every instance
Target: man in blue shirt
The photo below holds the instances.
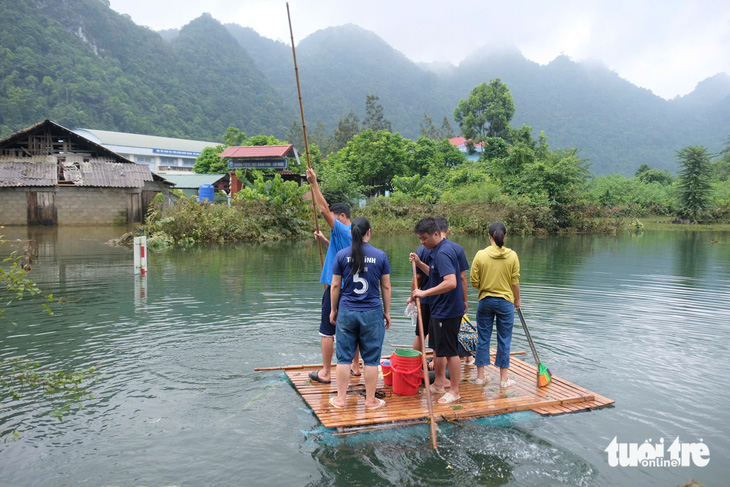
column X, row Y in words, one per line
column 447, row 307
column 337, row 217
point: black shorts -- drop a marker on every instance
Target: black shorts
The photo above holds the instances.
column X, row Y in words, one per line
column 445, row 335
column 426, row 317
column 326, row 329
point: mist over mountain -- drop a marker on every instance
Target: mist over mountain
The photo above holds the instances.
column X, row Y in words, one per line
column 84, row 65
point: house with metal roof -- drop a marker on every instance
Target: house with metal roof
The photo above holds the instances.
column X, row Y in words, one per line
column 190, row 184
column 471, row 150
column 50, row 175
column 260, row 157
column 161, row 154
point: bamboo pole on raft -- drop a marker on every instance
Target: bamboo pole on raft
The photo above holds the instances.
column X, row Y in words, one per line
column 304, row 131
column 426, row 379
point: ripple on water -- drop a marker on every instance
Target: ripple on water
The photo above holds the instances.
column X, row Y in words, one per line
column 178, row 401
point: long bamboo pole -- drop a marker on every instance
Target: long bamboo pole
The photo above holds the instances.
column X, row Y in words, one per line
column 426, row 378
column 304, row 131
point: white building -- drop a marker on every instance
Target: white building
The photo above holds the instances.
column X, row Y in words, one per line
column 161, row 154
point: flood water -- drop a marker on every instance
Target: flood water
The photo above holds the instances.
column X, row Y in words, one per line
column 642, row 319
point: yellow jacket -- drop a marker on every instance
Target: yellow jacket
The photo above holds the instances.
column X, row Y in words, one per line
column 494, row 271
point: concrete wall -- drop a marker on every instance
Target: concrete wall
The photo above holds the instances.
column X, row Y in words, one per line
column 13, row 206
column 75, row 206
column 93, row 206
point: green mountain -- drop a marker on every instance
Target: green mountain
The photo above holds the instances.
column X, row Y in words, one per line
column 84, row 65
column 615, row 124
column 81, row 64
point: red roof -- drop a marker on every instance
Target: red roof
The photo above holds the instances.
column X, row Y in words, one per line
column 257, row 151
column 461, row 141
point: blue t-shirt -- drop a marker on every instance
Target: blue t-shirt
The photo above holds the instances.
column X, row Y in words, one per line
column 340, row 237
column 361, row 291
column 425, row 255
column 444, row 262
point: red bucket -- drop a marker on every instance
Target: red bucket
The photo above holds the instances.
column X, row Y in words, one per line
column 387, row 372
column 407, row 371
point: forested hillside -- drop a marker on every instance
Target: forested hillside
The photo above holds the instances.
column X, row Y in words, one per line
column 84, row 65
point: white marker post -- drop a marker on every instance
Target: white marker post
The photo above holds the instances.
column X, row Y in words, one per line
column 140, row 255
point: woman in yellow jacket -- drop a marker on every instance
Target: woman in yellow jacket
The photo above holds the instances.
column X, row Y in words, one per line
column 495, row 272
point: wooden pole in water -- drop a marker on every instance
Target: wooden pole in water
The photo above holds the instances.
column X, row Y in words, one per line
column 304, row 130
column 426, row 379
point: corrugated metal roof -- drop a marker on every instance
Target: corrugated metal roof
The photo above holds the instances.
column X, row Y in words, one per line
column 55, row 130
column 107, row 175
column 256, row 151
column 190, row 181
column 106, row 137
column 16, row 174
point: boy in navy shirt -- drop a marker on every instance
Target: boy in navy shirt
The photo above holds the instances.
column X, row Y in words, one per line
column 447, row 307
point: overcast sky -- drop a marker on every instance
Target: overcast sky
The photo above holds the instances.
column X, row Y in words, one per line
column 667, row 46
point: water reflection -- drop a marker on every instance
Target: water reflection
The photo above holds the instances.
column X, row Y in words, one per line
column 691, row 256
column 627, row 317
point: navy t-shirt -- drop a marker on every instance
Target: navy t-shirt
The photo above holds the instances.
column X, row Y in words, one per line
column 425, row 255
column 463, row 263
column 444, row 261
column 361, row 291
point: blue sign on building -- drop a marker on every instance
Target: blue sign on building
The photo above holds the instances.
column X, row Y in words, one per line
column 257, row 164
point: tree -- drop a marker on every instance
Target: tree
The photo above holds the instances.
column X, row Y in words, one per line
column 372, row 159
column 641, row 169
column 487, row 112
column 656, row 176
column 209, row 162
column 428, row 129
column 234, row 137
column 346, row 129
column 721, row 166
column 694, row 183
column 316, row 135
column 446, row 132
column 374, row 118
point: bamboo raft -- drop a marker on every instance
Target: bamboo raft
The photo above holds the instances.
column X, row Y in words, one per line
column 558, row 397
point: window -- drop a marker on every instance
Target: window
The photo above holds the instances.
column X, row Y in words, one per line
column 168, row 161
column 145, row 160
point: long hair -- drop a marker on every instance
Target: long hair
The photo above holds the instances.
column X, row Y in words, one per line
column 360, row 227
column 497, row 231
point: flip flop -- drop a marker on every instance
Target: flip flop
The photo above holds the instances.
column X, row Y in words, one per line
column 436, row 391
column 481, row 382
column 332, row 403
column 352, row 373
column 381, row 403
column 448, row 399
column 314, row 375
column 508, row 383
